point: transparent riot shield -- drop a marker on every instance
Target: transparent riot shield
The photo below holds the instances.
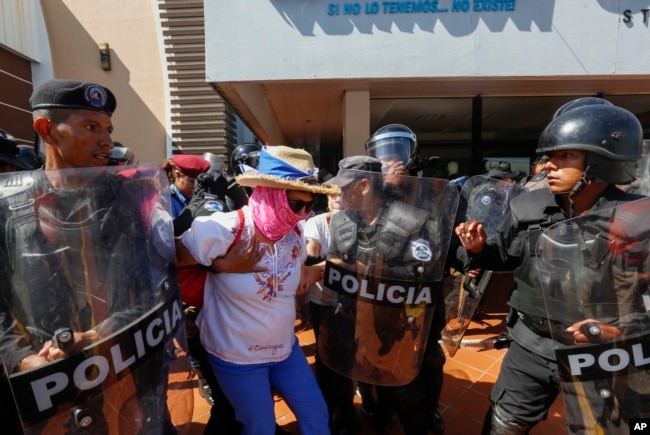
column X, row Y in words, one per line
column 642, row 182
column 92, row 331
column 486, row 200
column 594, row 274
column 388, row 248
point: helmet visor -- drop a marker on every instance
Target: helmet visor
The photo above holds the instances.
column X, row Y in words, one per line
column 249, row 160
column 391, row 149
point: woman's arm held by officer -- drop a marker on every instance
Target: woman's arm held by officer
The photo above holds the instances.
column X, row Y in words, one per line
column 311, row 275
column 472, row 236
column 183, row 255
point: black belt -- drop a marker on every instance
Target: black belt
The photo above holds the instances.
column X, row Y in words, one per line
column 539, row 325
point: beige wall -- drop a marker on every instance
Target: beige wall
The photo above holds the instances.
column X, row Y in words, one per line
column 75, row 29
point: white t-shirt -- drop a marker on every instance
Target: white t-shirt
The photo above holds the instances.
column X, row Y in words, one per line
column 247, row 318
column 317, row 230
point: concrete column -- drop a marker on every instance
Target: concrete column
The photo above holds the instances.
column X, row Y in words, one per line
column 356, row 122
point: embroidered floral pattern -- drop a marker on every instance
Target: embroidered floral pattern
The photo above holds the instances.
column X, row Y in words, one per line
column 283, row 266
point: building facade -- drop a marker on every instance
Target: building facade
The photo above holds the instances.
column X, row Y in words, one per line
column 153, row 62
column 475, row 79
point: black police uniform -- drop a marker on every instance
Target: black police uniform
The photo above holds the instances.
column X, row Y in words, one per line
column 9, row 150
column 237, row 196
column 40, row 219
column 354, row 241
column 528, row 382
column 208, row 197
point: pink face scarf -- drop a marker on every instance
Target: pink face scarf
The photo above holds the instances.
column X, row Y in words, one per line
column 271, row 212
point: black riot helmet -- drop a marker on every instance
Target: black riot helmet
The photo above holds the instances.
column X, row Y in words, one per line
column 27, row 157
column 393, row 141
column 216, row 164
column 585, row 101
column 245, row 154
column 9, row 150
column 121, row 155
column 611, row 135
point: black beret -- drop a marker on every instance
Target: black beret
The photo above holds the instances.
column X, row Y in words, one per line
column 71, row 94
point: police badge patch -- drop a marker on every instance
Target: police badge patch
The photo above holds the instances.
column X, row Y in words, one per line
column 213, row 206
column 421, row 250
column 95, row 95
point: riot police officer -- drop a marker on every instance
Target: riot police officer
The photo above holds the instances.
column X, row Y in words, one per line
column 591, row 148
column 27, row 158
column 365, row 341
column 77, row 273
column 9, row 161
column 397, row 147
column 121, row 155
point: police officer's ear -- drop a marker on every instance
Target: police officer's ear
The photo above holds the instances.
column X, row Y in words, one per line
column 364, row 185
column 43, row 128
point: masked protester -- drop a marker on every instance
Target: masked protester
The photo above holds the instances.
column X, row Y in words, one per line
column 87, row 266
column 209, row 196
column 591, row 148
column 247, row 320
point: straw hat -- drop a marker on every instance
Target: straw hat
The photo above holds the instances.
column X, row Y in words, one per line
column 283, row 167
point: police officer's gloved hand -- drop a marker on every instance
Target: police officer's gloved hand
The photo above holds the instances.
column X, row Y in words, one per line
column 211, row 182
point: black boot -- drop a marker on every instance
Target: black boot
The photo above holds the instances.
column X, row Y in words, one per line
column 436, row 423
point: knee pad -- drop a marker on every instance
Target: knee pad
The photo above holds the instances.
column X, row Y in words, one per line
column 498, row 422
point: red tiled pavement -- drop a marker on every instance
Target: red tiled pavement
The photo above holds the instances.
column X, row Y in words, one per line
column 469, row 376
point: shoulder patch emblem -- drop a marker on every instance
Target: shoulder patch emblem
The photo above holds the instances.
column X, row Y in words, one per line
column 213, row 206
column 421, row 250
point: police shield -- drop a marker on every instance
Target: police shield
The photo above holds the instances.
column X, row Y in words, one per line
column 594, row 273
column 486, row 200
column 642, row 182
column 387, row 255
column 92, row 331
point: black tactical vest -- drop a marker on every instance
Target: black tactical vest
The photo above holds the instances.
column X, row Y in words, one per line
column 532, row 214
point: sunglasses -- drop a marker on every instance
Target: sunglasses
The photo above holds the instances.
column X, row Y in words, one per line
column 296, row 205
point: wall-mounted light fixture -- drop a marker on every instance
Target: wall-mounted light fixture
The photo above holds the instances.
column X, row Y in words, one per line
column 105, row 56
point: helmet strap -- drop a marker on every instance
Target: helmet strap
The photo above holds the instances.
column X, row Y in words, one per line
column 582, row 182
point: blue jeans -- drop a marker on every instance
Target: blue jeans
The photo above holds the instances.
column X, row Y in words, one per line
column 249, row 390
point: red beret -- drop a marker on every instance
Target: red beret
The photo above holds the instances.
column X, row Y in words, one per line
column 191, row 165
